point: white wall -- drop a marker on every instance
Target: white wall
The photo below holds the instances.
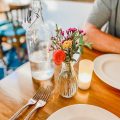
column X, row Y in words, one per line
column 67, row 13
column 64, row 13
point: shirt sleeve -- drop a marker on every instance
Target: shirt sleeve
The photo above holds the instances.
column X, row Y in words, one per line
column 101, row 13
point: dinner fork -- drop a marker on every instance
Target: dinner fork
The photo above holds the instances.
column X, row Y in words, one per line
column 42, row 102
column 32, row 101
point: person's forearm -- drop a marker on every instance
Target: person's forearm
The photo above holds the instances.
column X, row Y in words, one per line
column 102, row 41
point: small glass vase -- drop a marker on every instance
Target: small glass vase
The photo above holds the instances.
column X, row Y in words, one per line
column 67, row 81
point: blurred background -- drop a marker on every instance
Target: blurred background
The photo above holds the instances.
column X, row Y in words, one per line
column 13, row 49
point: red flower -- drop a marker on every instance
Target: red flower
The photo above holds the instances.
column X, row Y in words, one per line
column 59, row 56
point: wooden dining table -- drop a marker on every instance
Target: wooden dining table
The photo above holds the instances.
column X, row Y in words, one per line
column 17, row 88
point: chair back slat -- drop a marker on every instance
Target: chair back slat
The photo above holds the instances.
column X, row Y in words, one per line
column 17, row 12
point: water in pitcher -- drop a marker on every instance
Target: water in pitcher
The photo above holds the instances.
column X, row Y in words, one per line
column 42, row 68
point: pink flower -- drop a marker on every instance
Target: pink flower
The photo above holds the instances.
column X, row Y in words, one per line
column 67, row 31
column 62, row 33
column 81, row 31
column 63, row 41
column 84, row 34
column 67, row 37
column 72, row 29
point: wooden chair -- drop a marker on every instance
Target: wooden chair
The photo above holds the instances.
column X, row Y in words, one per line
column 12, row 30
column 15, row 16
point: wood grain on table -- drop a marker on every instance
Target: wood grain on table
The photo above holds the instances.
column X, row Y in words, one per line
column 17, row 88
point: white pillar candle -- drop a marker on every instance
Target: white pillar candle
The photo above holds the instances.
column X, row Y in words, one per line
column 85, row 74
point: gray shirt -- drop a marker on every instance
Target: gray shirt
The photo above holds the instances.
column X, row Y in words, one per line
column 106, row 11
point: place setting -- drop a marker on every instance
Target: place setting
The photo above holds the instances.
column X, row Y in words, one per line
column 65, row 67
column 39, row 100
column 107, row 68
column 64, row 49
column 84, row 112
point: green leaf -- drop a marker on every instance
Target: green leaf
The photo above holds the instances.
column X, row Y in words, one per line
column 74, row 34
column 81, row 49
column 81, row 41
column 77, row 37
column 73, row 60
column 89, row 45
column 54, row 42
column 57, row 27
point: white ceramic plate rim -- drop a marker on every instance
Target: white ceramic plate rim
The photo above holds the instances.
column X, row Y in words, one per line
column 98, row 62
column 79, row 109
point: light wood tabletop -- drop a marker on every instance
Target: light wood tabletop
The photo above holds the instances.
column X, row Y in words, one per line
column 17, row 88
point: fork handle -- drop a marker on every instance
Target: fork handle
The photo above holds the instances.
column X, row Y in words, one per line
column 30, row 114
column 39, row 104
column 15, row 116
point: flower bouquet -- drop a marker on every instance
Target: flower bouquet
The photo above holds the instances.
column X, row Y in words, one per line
column 67, row 43
column 64, row 45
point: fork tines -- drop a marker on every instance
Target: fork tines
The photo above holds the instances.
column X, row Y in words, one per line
column 38, row 93
column 46, row 93
column 43, row 93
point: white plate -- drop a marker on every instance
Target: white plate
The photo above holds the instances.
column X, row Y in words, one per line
column 82, row 112
column 107, row 68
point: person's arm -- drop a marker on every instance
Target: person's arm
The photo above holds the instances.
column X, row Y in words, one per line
column 102, row 41
column 101, row 14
